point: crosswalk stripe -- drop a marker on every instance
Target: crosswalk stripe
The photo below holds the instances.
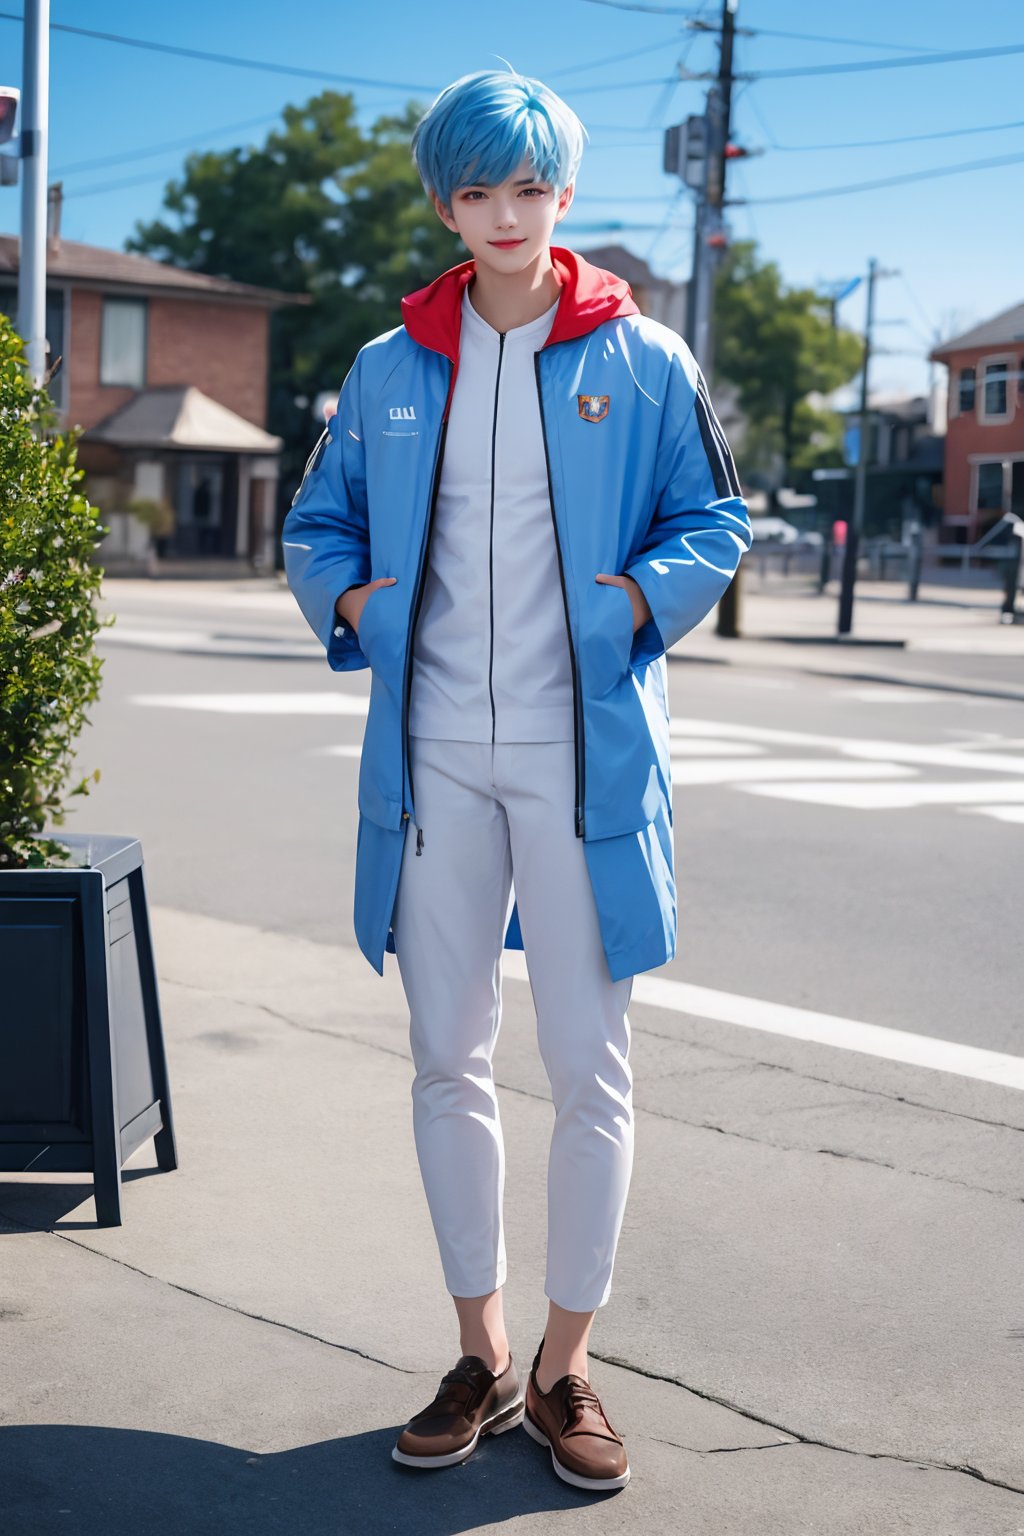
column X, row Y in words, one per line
column 892, row 797
column 690, row 771
column 260, row 703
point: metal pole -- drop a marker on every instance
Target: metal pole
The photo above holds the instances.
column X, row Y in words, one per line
column 853, row 532
column 35, row 103
column 727, row 620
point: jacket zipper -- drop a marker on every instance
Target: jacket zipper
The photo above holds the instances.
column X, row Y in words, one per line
column 421, row 583
column 490, row 555
column 579, row 738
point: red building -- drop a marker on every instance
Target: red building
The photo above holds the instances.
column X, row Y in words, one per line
column 984, row 471
column 167, row 372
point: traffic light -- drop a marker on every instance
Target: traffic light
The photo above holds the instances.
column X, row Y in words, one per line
column 9, row 98
column 685, row 151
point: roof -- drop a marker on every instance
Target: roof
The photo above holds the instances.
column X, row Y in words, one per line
column 1005, row 327
column 181, row 416
column 616, row 258
column 96, row 266
column 907, row 407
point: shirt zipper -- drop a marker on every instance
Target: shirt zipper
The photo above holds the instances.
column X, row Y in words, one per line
column 421, row 583
column 490, row 555
column 579, row 738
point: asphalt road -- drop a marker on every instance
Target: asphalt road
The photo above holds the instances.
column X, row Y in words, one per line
column 799, row 881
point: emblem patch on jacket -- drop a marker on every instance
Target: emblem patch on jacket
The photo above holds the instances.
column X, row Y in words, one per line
column 593, row 407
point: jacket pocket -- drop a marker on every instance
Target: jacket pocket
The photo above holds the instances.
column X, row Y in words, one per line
column 378, row 626
column 607, row 638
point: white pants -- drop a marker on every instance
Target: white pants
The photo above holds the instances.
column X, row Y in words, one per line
column 488, row 812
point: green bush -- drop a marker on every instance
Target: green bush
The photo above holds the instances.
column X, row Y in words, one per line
column 158, row 516
column 49, row 668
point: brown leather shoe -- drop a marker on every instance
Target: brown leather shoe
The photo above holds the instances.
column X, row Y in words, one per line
column 471, row 1401
column 585, row 1450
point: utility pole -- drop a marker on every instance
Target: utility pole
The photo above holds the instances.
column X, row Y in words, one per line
column 35, row 101
column 698, row 152
column 710, row 232
column 856, row 528
column 719, row 113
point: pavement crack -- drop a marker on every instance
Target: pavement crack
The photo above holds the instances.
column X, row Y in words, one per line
column 213, row 1301
column 831, row 1082
column 738, row 1057
column 697, row 1125
column 722, row 1450
column 964, row 1468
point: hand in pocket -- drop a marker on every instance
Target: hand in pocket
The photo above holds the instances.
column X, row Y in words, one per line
column 350, row 604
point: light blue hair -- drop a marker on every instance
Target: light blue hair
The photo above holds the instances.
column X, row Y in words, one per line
column 484, row 124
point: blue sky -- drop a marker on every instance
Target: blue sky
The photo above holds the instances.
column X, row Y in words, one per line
column 955, row 239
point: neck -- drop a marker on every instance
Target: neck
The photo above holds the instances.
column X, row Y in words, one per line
column 506, row 300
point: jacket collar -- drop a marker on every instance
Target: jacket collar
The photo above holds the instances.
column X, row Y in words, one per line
column 433, row 315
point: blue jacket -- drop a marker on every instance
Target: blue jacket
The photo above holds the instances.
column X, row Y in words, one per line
column 642, row 483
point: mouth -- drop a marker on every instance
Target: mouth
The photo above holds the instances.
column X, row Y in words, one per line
column 507, row 245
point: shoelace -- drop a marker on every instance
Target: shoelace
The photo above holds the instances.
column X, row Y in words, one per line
column 460, row 1375
column 579, row 1396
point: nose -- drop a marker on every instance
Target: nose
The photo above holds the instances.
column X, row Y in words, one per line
column 506, row 216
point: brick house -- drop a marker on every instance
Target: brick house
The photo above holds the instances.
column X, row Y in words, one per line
column 984, row 470
column 167, row 372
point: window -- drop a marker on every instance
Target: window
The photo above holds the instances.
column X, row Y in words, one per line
column 123, row 342
column 967, row 389
column 54, row 324
column 996, row 375
column 990, row 487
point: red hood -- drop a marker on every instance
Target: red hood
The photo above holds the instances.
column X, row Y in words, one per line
column 433, row 315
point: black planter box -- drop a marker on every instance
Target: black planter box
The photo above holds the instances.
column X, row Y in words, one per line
column 83, row 1074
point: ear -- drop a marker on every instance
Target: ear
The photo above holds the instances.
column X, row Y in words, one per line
column 565, row 201
column 443, row 214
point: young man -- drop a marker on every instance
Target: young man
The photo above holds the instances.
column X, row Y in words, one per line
column 524, row 500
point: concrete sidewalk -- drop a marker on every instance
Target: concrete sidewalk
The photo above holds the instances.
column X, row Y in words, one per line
column 811, row 1327
column 950, row 638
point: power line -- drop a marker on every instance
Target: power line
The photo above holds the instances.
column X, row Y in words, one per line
column 929, row 323
column 850, row 42
column 656, row 10
column 612, row 58
column 233, row 60
column 803, row 37
column 666, row 222
column 907, row 138
column 168, row 147
column 957, row 57
column 889, row 181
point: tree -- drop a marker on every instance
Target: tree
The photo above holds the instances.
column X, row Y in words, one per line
column 327, row 208
column 777, row 346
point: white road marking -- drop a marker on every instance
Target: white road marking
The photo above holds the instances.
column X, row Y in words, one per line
column 1012, row 813
column 727, row 771
column 204, row 643
column 819, row 1028
column 891, row 797
column 890, row 695
column 260, row 703
column 710, row 747
column 888, row 751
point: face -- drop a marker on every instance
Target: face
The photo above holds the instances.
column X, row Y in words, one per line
column 506, row 227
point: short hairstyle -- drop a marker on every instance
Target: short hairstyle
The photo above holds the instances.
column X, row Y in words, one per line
column 484, row 124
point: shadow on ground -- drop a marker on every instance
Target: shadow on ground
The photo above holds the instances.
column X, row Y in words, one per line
column 114, row 1482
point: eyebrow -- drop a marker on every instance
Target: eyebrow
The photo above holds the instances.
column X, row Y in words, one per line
column 474, row 186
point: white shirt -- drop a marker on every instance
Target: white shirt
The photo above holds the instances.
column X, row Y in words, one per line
column 491, row 651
